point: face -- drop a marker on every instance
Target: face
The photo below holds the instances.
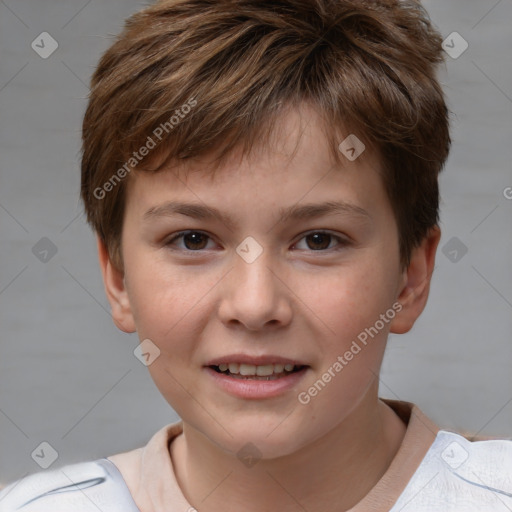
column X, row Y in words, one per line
column 255, row 289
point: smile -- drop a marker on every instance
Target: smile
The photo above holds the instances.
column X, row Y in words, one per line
column 256, row 372
column 256, row 382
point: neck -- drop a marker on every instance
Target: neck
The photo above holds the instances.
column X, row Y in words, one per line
column 331, row 474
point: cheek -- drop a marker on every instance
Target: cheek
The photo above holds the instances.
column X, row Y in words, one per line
column 168, row 304
column 352, row 350
column 169, row 309
column 349, row 300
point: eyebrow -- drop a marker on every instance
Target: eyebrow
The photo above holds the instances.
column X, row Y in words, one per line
column 299, row 212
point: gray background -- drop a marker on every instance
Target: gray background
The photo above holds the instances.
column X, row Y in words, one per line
column 69, row 377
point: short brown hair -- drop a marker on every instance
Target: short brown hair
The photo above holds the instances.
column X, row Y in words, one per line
column 368, row 67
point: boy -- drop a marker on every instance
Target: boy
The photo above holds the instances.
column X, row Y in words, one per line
column 262, row 178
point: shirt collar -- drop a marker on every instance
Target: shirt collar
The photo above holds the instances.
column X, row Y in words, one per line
column 149, row 473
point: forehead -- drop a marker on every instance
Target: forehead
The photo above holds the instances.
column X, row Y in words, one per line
column 296, row 168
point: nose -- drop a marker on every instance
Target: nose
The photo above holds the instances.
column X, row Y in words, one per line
column 255, row 295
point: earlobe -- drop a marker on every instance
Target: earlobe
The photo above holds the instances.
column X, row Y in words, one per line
column 115, row 288
column 415, row 286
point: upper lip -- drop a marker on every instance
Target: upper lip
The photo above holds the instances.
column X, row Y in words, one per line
column 254, row 360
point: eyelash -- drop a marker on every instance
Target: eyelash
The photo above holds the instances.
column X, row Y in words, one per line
column 341, row 241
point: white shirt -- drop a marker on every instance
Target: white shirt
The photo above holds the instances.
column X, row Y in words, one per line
column 434, row 470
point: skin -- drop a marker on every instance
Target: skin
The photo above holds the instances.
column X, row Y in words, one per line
column 302, row 298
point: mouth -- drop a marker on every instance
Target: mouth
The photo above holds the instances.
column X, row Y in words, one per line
column 252, row 377
column 257, row 372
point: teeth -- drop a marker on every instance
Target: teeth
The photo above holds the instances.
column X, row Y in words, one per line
column 259, row 370
column 234, row 367
column 263, row 371
column 247, row 369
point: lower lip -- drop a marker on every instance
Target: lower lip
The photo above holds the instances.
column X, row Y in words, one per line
column 248, row 388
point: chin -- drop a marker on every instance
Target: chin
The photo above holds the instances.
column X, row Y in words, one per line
column 259, row 439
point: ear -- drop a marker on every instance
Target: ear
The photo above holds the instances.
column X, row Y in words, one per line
column 115, row 288
column 415, row 286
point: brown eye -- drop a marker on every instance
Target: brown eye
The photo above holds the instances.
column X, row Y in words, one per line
column 320, row 241
column 192, row 240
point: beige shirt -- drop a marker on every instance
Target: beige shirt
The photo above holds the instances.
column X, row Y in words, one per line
column 149, row 474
